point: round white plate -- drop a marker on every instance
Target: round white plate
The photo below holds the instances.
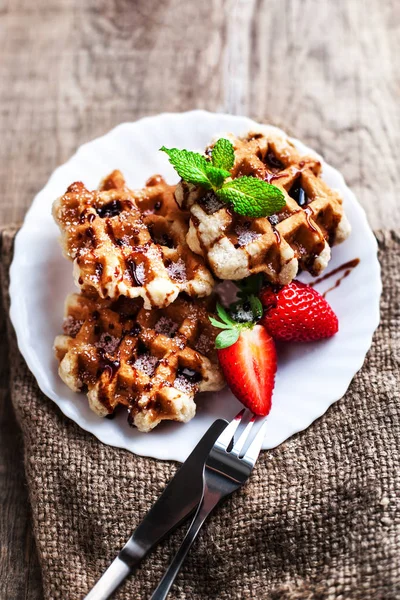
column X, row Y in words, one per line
column 310, row 376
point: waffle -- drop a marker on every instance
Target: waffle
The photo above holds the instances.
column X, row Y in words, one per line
column 130, row 243
column 298, row 236
column 151, row 361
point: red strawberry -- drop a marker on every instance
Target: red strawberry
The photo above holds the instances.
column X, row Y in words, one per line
column 297, row 313
column 249, row 366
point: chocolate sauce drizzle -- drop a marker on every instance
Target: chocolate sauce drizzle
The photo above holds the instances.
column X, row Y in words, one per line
column 346, row 267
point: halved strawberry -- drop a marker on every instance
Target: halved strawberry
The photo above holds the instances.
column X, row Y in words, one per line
column 249, row 366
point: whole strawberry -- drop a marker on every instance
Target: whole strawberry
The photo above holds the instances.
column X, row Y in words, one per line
column 297, row 313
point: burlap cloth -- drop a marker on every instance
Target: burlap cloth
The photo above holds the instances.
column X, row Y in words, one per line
column 319, row 518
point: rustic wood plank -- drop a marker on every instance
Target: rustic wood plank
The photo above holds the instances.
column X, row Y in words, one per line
column 326, row 71
column 71, row 70
column 110, row 62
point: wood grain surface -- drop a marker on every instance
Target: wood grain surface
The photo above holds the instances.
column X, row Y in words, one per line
column 71, row 70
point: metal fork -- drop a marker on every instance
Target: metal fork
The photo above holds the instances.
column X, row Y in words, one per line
column 227, row 468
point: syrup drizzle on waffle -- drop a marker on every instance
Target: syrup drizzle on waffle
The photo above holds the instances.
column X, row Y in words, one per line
column 130, row 243
column 298, row 236
column 153, row 362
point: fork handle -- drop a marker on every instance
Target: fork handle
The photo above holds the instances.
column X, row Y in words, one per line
column 208, row 502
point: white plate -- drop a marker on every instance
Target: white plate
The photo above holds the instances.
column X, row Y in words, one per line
column 310, row 376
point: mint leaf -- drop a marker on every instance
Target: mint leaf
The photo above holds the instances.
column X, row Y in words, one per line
column 248, row 196
column 194, row 168
column 216, row 176
column 191, row 166
column 223, row 154
column 252, row 197
column 226, row 338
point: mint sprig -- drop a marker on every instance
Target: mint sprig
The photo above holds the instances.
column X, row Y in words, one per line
column 248, row 196
column 232, row 327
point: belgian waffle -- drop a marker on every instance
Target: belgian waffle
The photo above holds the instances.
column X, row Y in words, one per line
column 130, row 243
column 298, row 236
column 151, row 361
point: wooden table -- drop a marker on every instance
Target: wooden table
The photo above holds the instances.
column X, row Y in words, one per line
column 71, row 70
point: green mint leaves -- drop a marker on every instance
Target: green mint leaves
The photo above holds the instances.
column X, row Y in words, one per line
column 248, row 196
column 246, row 315
column 216, row 176
column 194, row 168
column 252, row 197
column 223, row 154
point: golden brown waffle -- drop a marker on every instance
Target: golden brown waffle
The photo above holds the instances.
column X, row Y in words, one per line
column 151, row 361
column 130, row 243
column 300, row 235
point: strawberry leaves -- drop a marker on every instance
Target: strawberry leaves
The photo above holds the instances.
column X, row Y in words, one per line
column 224, row 315
column 231, row 332
column 227, row 338
column 245, row 319
column 256, row 307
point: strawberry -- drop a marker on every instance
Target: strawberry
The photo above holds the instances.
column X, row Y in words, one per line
column 297, row 313
column 247, row 357
column 249, row 366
